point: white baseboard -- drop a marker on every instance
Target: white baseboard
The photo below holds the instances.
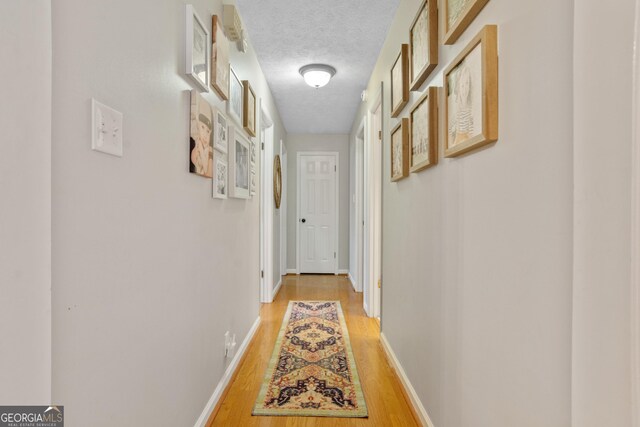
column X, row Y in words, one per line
column 292, row 271
column 353, row 283
column 343, row 271
column 222, row 385
column 411, row 392
column 277, row 289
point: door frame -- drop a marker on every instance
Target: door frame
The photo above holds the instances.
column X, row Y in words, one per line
column 266, row 212
column 358, row 166
column 283, row 210
column 336, row 155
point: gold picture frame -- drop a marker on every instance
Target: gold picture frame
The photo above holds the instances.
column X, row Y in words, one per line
column 423, row 44
column 277, row 181
column 471, row 95
column 423, row 131
column 400, row 150
column 249, row 108
column 400, row 81
column 458, row 15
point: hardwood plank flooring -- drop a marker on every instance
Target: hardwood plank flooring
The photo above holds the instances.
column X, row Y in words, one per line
column 387, row 404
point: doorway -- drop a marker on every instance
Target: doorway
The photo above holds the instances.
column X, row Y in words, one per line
column 266, row 143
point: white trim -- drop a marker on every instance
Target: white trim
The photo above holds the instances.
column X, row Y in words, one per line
column 283, row 208
column 266, row 207
column 292, row 271
column 277, row 288
column 224, row 381
column 359, row 208
column 353, row 282
column 408, row 387
column 343, row 271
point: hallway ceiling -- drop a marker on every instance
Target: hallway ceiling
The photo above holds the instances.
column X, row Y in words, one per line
column 347, row 35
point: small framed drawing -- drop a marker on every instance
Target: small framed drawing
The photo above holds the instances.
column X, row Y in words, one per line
column 423, row 131
column 219, row 59
column 400, row 81
column 221, row 136
column 235, row 97
column 239, row 168
column 201, row 136
column 253, row 182
column 458, row 14
column 249, row 110
column 471, row 95
column 198, row 54
column 400, row 151
column 423, row 43
column 254, row 153
column 220, row 178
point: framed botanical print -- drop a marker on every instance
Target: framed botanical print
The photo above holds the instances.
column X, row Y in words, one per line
column 458, row 14
column 220, row 178
column 234, row 107
column 249, row 110
column 239, row 168
column 219, row 59
column 197, row 49
column 201, row 136
column 423, row 44
column 400, row 81
column 471, row 95
column 400, row 150
column 221, row 135
column 423, row 131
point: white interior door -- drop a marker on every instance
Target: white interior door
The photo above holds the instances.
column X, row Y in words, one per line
column 317, row 213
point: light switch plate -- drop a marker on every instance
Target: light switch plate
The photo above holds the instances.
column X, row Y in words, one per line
column 106, row 125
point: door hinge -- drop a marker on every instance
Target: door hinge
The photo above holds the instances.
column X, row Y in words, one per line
column 262, row 274
column 380, row 135
column 335, row 168
column 334, row 255
column 379, row 283
column 262, row 145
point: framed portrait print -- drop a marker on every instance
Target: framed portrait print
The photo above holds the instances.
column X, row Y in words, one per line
column 423, row 44
column 239, row 168
column 471, row 95
column 458, row 14
column 220, row 178
column 198, row 55
column 400, row 151
column 423, row 131
column 400, row 81
column 221, row 135
column 249, row 110
column 201, row 136
column 234, row 107
column 219, row 59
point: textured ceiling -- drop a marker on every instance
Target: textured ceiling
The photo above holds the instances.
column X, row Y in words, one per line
column 346, row 34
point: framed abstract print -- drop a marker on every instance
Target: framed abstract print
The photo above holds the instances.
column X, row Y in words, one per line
column 423, row 44
column 400, row 151
column 219, row 60
column 197, row 50
column 423, row 131
column 458, row 14
column 400, row 81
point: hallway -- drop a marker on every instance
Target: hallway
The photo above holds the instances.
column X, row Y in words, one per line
column 382, row 389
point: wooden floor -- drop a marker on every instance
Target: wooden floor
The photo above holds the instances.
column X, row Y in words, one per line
column 382, row 390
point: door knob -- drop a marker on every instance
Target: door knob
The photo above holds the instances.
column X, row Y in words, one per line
column 303, row 220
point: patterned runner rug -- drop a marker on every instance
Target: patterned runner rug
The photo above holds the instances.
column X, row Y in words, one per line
column 312, row 371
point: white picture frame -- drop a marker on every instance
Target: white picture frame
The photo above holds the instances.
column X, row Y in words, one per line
column 253, row 153
column 198, row 50
column 239, row 165
column 236, row 93
column 220, row 177
column 254, row 182
column 221, row 133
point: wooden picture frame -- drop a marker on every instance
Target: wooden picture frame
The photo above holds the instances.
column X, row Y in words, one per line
column 423, row 44
column 249, row 108
column 400, row 150
column 277, row 181
column 471, row 95
column 423, row 131
column 235, row 104
column 458, row 15
column 400, row 81
column 239, row 166
column 219, row 59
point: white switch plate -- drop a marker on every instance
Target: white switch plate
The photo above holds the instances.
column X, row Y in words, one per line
column 106, row 125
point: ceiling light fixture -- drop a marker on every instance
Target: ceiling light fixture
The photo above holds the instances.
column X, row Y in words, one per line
column 317, row 75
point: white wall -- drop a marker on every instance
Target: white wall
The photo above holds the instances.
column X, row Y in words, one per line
column 25, row 215
column 602, row 176
column 477, row 264
column 318, row 142
column 148, row 270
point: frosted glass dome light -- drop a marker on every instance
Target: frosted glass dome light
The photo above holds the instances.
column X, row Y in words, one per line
column 317, row 75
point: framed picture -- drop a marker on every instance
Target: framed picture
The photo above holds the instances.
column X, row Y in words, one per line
column 239, row 168
column 254, row 153
column 400, row 81
column 201, row 136
column 198, row 54
column 423, row 43
column 249, row 110
column 221, row 135
column 423, row 131
column 400, row 150
column 458, row 14
column 254, row 182
column 277, row 181
column 219, row 59
column 235, row 97
column 220, row 178
column 471, row 95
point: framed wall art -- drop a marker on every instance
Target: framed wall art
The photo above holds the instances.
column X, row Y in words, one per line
column 221, row 135
column 198, row 50
column 458, row 14
column 471, row 95
column 249, row 109
column 201, row 136
column 423, row 44
column 400, row 151
column 220, row 178
column 400, row 81
column 219, row 59
column 234, row 107
column 423, row 131
column 239, row 168
column 254, row 153
column 277, row 181
column 254, row 182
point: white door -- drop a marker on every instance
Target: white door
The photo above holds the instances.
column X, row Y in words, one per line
column 317, row 213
